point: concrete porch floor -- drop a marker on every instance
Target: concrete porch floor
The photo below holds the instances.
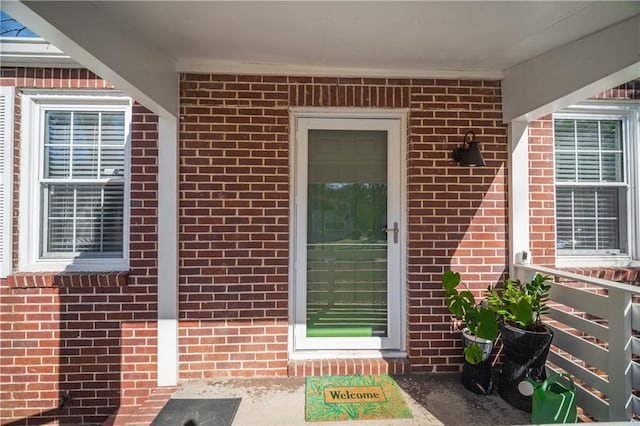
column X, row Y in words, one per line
column 434, row 399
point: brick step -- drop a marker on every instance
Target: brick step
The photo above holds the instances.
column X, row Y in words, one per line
column 348, row 366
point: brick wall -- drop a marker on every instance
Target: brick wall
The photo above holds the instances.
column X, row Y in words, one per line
column 457, row 216
column 95, row 335
column 92, row 335
column 234, row 210
column 542, row 190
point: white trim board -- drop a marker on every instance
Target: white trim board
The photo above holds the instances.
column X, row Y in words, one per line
column 219, row 66
column 33, row 52
column 6, row 180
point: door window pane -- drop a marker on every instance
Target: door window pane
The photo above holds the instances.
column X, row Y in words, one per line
column 346, row 241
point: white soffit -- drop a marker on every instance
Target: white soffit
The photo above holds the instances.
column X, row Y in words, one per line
column 141, row 45
column 390, row 38
column 366, row 38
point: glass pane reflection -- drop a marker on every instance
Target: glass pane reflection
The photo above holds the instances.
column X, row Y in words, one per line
column 346, row 241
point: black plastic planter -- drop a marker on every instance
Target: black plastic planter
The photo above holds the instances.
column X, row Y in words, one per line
column 525, row 353
column 478, row 378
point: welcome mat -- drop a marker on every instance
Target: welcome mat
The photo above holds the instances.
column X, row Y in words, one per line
column 333, row 398
column 197, row 411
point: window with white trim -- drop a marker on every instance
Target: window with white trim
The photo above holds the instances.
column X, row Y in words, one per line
column 594, row 163
column 74, row 164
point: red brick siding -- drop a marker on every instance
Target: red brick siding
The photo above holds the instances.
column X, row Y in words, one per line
column 542, row 192
column 630, row 90
column 66, row 279
column 349, row 366
column 542, row 188
column 629, row 276
column 99, row 342
column 234, row 226
column 234, row 207
column 457, row 216
column 93, row 335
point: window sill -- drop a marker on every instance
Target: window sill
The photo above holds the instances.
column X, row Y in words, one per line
column 67, row 279
column 73, row 266
column 596, row 262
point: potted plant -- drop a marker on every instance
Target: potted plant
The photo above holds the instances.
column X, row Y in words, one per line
column 525, row 339
column 479, row 331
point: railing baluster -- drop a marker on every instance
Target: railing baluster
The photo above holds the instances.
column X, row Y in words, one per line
column 620, row 372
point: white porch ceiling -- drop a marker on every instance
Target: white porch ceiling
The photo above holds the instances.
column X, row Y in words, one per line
column 478, row 38
column 141, row 46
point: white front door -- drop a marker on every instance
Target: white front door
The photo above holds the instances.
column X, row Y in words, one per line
column 348, row 238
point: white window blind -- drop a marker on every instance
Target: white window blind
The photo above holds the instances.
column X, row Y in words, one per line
column 82, row 185
column 591, row 191
column 6, row 179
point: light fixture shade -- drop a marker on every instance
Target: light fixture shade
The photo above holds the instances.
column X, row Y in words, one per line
column 472, row 156
column 469, row 154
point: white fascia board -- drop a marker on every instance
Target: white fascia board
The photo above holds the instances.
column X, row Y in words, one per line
column 571, row 73
column 115, row 53
column 218, row 66
column 33, row 52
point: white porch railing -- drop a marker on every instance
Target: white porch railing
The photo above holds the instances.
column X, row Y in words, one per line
column 594, row 340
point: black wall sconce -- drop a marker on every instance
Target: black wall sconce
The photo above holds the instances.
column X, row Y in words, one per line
column 469, row 153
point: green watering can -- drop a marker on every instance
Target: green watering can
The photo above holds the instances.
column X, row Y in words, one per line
column 551, row 401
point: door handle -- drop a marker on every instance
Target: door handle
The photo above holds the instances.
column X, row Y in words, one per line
column 395, row 231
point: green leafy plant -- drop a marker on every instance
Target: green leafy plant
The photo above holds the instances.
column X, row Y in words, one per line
column 521, row 304
column 478, row 320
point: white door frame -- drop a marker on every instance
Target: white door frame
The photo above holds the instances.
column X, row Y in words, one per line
column 395, row 123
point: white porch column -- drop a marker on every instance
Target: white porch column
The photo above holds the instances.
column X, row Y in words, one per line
column 518, row 192
column 167, row 251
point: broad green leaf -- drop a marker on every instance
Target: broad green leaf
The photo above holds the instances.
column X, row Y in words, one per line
column 522, row 312
column 455, row 305
column 488, row 325
column 473, row 354
column 467, row 296
column 471, row 319
column 458, row 303
column 450, row 280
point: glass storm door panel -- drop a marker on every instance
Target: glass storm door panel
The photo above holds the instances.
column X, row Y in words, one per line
column 348, row 285
column 346, row 237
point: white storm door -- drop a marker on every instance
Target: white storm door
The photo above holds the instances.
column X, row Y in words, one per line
column 348, row 239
